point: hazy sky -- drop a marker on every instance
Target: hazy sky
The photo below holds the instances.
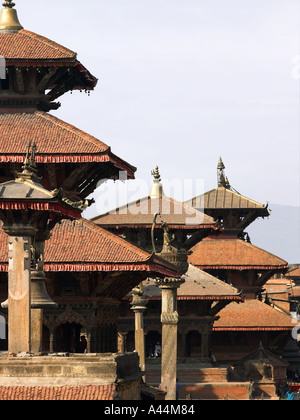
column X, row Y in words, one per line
column 182, row 82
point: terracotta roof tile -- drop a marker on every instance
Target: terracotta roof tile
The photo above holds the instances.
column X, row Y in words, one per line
column 83, row 241
column 98, row 392
column 83, row 246
column 252, row 315
column 52, row 136
column 198, row 285
column 232, row 254
column 26, row 45
column 295, row 272
column 57, row 141
column 140, row 213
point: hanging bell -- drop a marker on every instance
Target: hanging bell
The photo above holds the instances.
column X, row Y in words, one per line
column 39, row 295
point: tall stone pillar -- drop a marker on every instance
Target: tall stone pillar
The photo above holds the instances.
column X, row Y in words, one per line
column 19, row 288
column 139, row 307
column 169, row 320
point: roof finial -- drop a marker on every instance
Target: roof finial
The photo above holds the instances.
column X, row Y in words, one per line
column 8, row 3
column 156, row 174
column 227, row 184
column 221, row 164
column 9, row 21
column 29, row 168
column 157, row 188
column 221, row 173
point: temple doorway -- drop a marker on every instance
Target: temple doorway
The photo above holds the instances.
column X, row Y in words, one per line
column 152, row 338
column 194, row 344
column 68, row 338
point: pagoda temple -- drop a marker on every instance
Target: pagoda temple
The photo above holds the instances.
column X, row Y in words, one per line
column 87, row 269
column 134, row 221
column 231, row 257
column 38, row 72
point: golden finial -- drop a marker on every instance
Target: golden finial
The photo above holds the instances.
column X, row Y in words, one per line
column 8, row 3
column 221, row 164
column 227, row 184
column 9, row 21
column 157, row 188
column 156, row 174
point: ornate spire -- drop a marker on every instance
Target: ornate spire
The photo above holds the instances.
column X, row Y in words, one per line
column 156, row 174
column 157, row 188
column 9, row 21
column 221, row 164
column 221, row 173
column 222, row 179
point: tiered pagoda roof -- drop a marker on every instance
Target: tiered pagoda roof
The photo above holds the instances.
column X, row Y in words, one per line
column 252, row 315
column 233, row 254
column 58, row 141
column 38, row 71
column 224, row 200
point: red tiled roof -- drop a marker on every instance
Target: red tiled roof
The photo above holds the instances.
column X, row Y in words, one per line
column 57, row 141
column 252, row 315
column 52, row 136
column 140, row 213
column 83, row 246
column 26, row 45
column 198, row 285
column 233, row 254
column 83, row 241
column 99, row 392
column 295, row 272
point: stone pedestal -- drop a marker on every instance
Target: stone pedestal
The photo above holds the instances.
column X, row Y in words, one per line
column 169, row 320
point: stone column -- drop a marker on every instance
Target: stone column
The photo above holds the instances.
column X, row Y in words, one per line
column 139, row 307
column 19, row 288
column 169, row 320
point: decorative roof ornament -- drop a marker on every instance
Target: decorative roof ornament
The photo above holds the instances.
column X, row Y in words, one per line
column 156, row 188
column 227, row 184
column 156, row 174
column 9, row 4
column 9, row 21
column 30, row 167
column 221, row 174
column 221, row 164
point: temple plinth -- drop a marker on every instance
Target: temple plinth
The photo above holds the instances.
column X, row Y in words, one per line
column 169, row 320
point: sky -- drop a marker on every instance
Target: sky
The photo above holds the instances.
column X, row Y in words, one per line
column 182, row 82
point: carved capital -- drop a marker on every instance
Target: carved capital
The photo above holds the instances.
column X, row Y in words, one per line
column 169, row 318
column 169, row 282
